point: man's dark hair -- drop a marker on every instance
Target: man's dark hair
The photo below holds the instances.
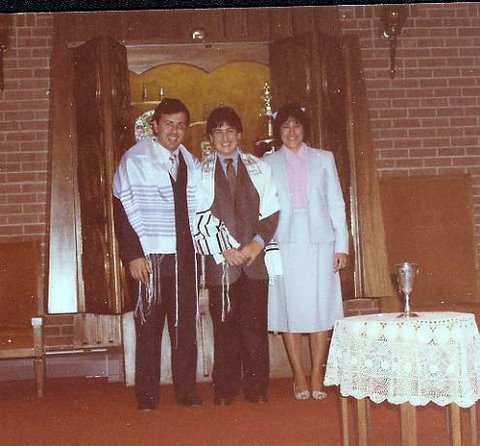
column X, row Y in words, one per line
column 285, row 112
column 223, row 115
column 169, row 106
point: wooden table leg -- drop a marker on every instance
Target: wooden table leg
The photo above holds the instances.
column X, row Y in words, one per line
column 455, row 425
column 408, row 421
column 344, row 411
column 473, row 424
column 362, row 422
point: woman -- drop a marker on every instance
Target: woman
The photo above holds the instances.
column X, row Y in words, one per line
column 313, row 239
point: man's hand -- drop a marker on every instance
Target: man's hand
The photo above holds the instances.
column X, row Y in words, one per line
column 234, row 257
column 139, row 269
column 251, row 251
column 339, row 261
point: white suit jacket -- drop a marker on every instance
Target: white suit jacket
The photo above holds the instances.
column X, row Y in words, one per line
column 326, row 207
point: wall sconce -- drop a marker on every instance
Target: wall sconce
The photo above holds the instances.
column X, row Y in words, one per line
column 5, row 29
column 392, row 17
column 198, row 34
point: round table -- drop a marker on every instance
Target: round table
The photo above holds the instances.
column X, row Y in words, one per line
column 434, row 357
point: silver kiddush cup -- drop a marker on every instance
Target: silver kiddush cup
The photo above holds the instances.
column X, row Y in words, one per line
column 406, row 273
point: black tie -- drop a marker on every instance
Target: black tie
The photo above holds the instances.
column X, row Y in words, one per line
column 231, row 175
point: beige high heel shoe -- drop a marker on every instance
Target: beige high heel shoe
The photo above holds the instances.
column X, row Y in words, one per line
column 319, row 394
column 302, row 395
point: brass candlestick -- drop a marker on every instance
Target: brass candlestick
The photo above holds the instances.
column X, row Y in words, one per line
column 265, row 145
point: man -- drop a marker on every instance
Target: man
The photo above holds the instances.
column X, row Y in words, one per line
column 238, row 215
column 154, row 206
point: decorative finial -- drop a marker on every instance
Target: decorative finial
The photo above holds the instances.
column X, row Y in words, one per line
column 267, row 107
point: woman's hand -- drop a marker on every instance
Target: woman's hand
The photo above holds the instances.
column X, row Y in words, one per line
column 139, row 269
column 339, row 261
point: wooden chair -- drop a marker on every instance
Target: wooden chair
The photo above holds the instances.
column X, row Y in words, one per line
column 21, row 330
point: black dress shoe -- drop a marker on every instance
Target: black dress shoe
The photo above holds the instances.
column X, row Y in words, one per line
column 258, row 399
column 146, row 406
column 223, row 401
column 190, row 401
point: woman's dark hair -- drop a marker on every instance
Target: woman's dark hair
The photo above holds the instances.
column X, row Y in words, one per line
column 285, row 112
column 223, row 115
column 170, row 106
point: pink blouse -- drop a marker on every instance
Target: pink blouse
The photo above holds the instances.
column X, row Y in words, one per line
column 296, row 163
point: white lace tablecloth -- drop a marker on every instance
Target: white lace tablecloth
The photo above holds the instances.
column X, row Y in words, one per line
column 431, row 358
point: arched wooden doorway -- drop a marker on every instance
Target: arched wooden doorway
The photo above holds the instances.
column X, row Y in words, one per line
column 94, row 130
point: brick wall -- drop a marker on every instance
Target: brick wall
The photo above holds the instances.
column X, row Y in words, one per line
column 24, row 124
column 427, row 119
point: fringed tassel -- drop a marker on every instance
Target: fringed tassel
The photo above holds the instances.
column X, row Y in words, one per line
column 149, row 293
column 197, row 295
column 176, row 300
column 225, row 291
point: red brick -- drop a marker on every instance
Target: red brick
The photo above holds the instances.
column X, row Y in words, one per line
column 34, row 229
column 22, row 219
column 452, row 151
column 33, row 208
column 420, row 133
column 464, row 121
column 435, row 122
column 451, row 111
column 409, row 162
column 426, row 109
column 467, row 161
column 423, row 153
column 385, row 154
column 438, row 162
column 450, row 131
column 406, row 143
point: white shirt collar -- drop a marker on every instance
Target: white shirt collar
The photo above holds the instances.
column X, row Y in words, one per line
column 164, row 152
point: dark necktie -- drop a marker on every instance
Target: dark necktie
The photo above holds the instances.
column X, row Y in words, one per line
column 231, row 175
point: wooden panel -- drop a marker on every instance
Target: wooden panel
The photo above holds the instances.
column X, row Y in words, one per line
column 91, row 153
column 258, row 24
column 429, row 220
column 331, row 131
column 291, row 81
column 101, row 91
column 160, row 26
column 62, row 279
column 221, row 24
column 19, row 283
column 209, row 19
column 371, row 270
column 327, row 20
column 316, row 81
column 303, row 20
column 280, row 23
column 80, row 26
column 235, row 24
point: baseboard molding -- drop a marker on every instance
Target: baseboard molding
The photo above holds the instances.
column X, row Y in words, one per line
column 100, row 363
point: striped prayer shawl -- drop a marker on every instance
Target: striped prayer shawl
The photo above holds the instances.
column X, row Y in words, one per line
column 142, row 183
column 211, row 235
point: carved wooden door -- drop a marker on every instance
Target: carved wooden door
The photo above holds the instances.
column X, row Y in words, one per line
column 101, row 94
column 309, row 69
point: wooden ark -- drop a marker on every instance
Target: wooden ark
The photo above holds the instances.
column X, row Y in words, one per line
column 308, row 60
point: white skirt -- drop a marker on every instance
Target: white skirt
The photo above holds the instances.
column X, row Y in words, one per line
column 308, row 297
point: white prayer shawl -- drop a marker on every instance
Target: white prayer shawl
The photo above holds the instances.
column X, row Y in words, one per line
column 142, row 183
column 211, row 235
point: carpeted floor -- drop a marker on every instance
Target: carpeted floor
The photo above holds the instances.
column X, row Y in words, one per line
column 94, row 412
